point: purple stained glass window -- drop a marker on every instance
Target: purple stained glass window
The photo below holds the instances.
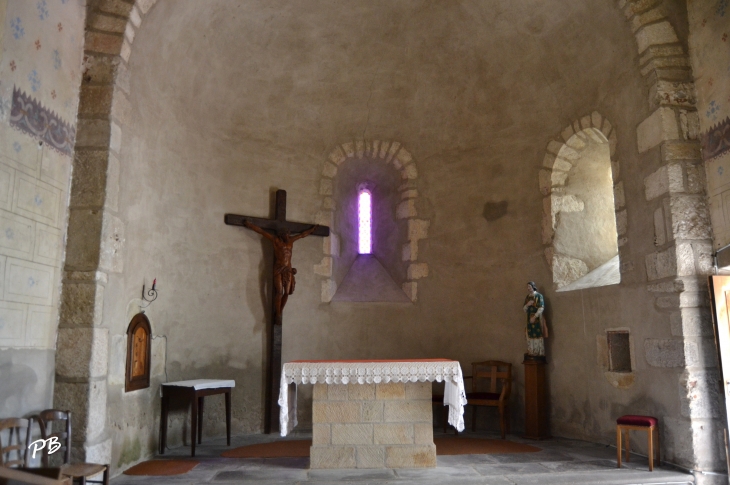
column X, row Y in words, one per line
column 365, row 222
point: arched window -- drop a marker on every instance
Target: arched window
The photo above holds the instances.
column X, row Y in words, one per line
column 369, row 266
column 583, row 214
column 365, row 222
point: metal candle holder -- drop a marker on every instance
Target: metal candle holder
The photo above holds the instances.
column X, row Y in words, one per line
column 151, row 293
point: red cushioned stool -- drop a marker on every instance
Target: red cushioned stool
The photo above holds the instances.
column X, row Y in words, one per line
column 642, row 423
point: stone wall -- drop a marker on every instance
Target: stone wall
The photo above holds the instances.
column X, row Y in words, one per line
column 372, row 426
column 186, row 129
column 677, row 270
column 469, row 305
column 708, row 46
column 40, row 72
column 710, row 56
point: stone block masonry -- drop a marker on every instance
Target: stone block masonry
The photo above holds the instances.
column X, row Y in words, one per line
column 96, row 239
column 372, row 426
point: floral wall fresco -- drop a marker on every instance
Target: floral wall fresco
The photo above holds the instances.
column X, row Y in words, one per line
column 40, row 73
column 710, row 52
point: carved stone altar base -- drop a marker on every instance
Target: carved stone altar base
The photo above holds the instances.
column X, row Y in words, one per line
column 372, row 426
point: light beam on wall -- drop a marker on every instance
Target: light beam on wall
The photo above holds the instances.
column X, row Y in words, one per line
column 365, row 220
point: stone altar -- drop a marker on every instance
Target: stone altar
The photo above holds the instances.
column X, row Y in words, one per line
column 373, row 414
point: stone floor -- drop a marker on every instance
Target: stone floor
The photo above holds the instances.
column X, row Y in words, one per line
column 560, row 462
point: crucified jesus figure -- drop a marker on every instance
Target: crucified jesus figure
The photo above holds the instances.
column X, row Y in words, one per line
column 284, row 282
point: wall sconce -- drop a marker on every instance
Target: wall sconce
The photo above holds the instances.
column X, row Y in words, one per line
column 151, row 293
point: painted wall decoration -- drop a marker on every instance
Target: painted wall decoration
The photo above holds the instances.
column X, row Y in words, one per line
column 41, row 54
column 710, row 51
column 28, row 115
column 709, row 44
column 716, row 140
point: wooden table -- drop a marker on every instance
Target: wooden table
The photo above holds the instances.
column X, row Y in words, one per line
column 194, row 391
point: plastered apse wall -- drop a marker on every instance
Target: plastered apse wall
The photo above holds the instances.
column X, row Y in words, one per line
column 232, row 100
column 40, row 73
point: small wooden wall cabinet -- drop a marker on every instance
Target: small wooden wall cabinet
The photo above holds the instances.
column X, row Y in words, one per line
column 139, row 354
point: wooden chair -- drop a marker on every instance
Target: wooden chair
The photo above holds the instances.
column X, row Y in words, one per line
column 491, row 384
column 15, row 427
column 33, row 476
column 77, row 471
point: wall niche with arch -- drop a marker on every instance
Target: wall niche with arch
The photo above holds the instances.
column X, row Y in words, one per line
column 584, row 219
column 390, row 272
column 139, row 354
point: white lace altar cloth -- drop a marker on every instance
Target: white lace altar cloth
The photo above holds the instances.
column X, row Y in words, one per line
column 371, row 372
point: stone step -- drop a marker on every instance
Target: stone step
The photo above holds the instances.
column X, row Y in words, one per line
column 612, row 477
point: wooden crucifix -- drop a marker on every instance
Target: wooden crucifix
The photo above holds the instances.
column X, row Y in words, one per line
column 282, row 234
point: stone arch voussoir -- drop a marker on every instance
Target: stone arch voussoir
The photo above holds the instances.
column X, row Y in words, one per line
column 104, row 111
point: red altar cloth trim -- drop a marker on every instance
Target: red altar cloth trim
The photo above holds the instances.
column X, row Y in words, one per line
column 368, row 360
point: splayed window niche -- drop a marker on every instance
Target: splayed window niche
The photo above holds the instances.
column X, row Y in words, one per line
column 371, row 183
column 581, row 211
column 370, row 248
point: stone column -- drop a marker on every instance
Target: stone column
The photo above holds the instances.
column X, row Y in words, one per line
column 677, row 270
column 95, row 233
column 677, row 273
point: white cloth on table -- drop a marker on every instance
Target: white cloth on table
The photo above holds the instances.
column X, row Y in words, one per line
column 372, row 372
column 198, row 384
column 287, row 407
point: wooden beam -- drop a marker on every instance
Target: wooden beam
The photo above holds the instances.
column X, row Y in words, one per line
column 272, row 225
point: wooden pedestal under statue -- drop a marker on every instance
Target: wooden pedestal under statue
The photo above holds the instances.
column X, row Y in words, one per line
column 536, row 403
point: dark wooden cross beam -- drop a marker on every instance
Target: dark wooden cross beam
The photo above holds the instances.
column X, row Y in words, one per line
column 274, row 330
column 273, row 225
